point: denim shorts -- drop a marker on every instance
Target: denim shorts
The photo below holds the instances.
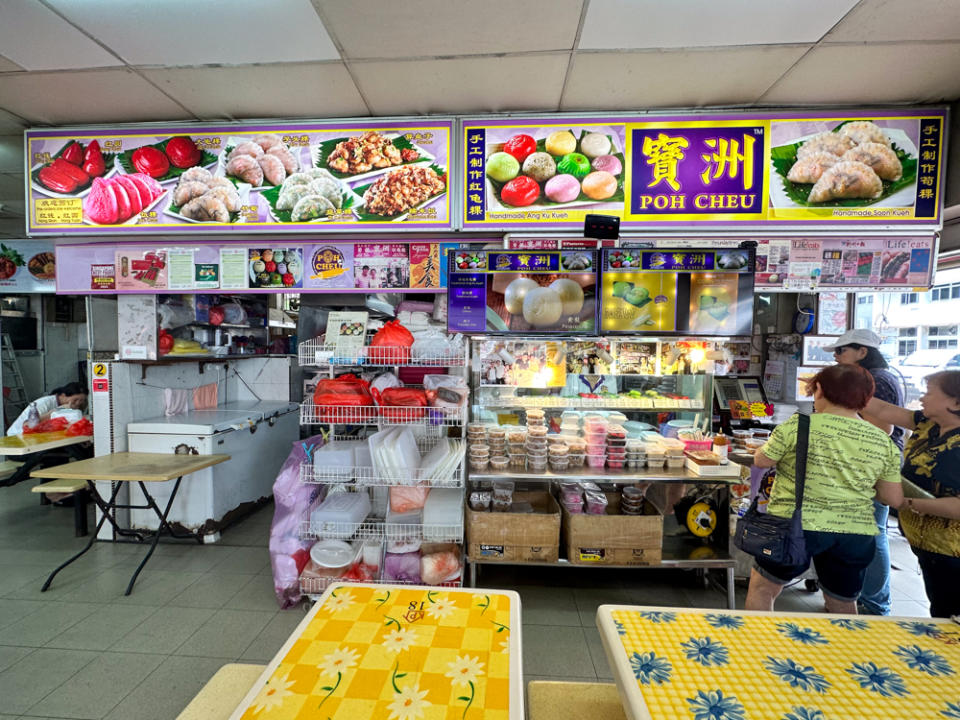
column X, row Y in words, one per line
column 841, row 561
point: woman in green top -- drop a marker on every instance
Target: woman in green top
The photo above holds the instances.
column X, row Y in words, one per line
column 849, row 463
column 931, row 461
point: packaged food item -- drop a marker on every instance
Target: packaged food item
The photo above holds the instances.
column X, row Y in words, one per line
column 536, row 465
column 404, row 499
column 500, row 505
column 536, row 431
column 559, row 464
column 535, row 416
column 521, row 507
column 617, row 432
column 499, row 462
column 517, row 436
column 595, row 424
column 577, row 460
column 632, row 493
column 503, row 489
column 479, row 464
column 596, row 461
column 402, row 567
column 615, row 463
column 596, row 503
column 704, row 458
column 497, row 433
column 480, row 500
column 480, row 450
column 588, row 486
column 440, row 567
column 673, row 446
column 557, row 450
column 517, row 460
column 675, row 463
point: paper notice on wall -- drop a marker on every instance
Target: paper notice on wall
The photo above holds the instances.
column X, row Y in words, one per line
column 233, row 269
column 180, row 269
column 832, row 318
column 773, row 378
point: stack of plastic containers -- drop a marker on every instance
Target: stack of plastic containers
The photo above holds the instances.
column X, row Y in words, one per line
column 497, row 440
column 558, row 456
column 595, row 428
column 631, row 500
column 616, row 446
column 636, row 454
column 516, row 447
column 571, row 498
column 536, row 447
column 674, row 449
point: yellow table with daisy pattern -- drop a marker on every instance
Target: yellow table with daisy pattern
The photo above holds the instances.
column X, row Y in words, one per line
column 397, row 652
column 739, row 665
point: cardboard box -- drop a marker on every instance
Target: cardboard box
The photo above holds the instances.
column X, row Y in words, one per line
column 516, row 537
column 614, row 539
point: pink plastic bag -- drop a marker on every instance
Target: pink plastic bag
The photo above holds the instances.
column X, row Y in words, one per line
column 404, row 499
column 292, row 498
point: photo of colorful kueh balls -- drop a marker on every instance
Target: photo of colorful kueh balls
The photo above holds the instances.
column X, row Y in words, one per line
column 167, row 160
column 471, row 260
column 559, row 168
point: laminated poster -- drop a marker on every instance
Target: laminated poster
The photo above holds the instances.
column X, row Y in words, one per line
column 383, row 266
column 27, row 267
column 144, row 270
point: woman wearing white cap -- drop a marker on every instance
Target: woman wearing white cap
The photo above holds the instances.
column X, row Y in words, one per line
column 861, row 347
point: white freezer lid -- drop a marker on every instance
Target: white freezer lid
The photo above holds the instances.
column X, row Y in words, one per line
column 208, row 422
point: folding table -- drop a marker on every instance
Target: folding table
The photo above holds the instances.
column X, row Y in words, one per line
column 141, row 468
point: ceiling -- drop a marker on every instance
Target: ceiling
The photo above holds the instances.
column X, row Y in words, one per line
column 107, row 61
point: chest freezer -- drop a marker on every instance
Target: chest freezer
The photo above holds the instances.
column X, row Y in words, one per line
column 257, row 437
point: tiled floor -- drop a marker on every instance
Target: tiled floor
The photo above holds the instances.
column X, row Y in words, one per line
column 83, row 650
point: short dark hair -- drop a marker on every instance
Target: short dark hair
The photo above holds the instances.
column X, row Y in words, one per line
column 948, row 381
column 73, row 388
column 873, row 360
column 849, row 386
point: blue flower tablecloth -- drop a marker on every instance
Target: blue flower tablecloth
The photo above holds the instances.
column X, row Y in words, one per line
column 724, row 665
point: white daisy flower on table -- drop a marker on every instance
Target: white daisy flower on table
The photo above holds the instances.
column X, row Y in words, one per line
column 409, row 703
column 273, row 694
column 398, row 640
column 441, row 607
column 336, row 603
column 464, row 670
column 340, row 660
column 505, row 644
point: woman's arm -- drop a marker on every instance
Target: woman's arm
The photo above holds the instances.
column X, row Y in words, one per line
column 889, row 493
column 877, row 422
column 762, row 461
column 945, row 507
column 890, row 414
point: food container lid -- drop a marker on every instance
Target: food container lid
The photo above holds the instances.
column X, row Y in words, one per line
column 333, row 553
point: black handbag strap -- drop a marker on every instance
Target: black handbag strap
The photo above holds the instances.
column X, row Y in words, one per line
column 803, row 441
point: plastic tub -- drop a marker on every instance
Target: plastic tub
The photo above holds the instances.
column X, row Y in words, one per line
column 333, row 553
column 515, row 437
column 596, row 461
column 499, row 463
column 576, row 459
column 636, row 463
column 595, row 424
column 557, row 450
column 536, row 431
column 517, row 460
column 675, row 463
column 538, row 466
column 616, row 431
column 698, row 445
column 559, row 465
column 340, row 515
column 656, row 463
column 615, row 464
column 479, row 464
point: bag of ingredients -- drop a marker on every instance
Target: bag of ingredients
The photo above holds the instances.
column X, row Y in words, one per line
column 401, row 404
column 404, row 498
column 435, row 343
column 440, row 567
column 402, row 567
column 446, row 391
column 334, row 396
column 51, row 425
column 391, row 344
column 81, row 427
column 289, row 554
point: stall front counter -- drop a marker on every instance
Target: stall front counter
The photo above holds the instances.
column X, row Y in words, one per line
column 397, row 651
column 742, row 665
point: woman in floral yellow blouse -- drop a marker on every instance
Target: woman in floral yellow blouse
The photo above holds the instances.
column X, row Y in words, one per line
column 931, row 461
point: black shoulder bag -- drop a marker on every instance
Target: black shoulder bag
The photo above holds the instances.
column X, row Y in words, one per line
column 778, row 539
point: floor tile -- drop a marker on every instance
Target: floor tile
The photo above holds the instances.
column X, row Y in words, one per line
column 598, row 655
column 548, row 652
column 105, row 627
column 909, row 608
column 226, row 635
column 589, row 599
column 12, row 610
column 153, row 587
column 14, row 577
column 257, row 594
column 211, row 591
column 245, row 560
column 194, row 558
column 273, row 636
column 98, row 687
column 10, row 655
column 163, row 631
column 45, row 623
column 27, row 682
column 167, row 690
column 548, row 606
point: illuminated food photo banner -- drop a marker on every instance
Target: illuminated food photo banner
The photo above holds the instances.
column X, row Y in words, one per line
column 198, row 179
column 504, row 292
column 784, row 169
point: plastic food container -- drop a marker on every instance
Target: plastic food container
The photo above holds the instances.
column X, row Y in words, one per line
column 761, row 434
column 557, row 450
column 497, row 433
column 595, row 424
column 535, row 416
column 503, row 489
column 615, row 464
column 596, row 503
column 499, row 463
column 536, row 431
column 656, row 463
column 574, row 508
column 479, row 464
column 333, row 553
column 340, row 515
column 516, row 437
column 616, row 431
column 675, row 463
column 617, row 418
column 576, row 460
column 673, row 447
column 632, row 492
column 631, row 463
column 559, row 464
column 536, row 465
column 596, row 461
column 518, row 460
column 480, row 449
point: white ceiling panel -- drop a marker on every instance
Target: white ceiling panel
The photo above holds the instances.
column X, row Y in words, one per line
column 188, row 32
column 8, row 65
column 887, row 20
column 463, row 85
column 639, row 24
column 11, row 153
column 36, row 38
column 864, row 74
column 423, row 28
column 84, row 97
column 620, row 81
column 9, row 123
column 301, row 90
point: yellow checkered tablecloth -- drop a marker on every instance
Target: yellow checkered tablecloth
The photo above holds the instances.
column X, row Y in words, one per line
column 724, row 665
column 369, row 651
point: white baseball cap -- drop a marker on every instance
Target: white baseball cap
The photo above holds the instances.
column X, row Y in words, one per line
column 860, row 336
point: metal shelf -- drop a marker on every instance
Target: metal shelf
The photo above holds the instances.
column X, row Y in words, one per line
column 315, row 352
column 555, row 401
column 379, row 416
column 679, row 475
column 371, row 477
column 377, row 529
column 317, row 586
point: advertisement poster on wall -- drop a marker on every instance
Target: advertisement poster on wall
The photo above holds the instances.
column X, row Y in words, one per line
column 302, row 177
column 27, row 267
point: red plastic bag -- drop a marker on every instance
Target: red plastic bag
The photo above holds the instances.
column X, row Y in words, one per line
column 51, row 425
column 391, row 344
column 343, row 399
column 81, row 427
column 401, row 404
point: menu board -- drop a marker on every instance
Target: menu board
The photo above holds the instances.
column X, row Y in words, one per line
column 504, row 292
column 776, row 168
column 27, row 266
column 684, row 291
column 276, row 267
column 310, row 177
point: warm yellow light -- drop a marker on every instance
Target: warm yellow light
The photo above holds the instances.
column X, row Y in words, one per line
column 697, row 356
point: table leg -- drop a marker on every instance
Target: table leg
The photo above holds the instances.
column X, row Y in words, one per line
column 163, row 524
column 731, row 588
column 93, row 538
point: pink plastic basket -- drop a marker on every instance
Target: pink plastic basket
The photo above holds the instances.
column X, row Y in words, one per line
column 698, row 445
